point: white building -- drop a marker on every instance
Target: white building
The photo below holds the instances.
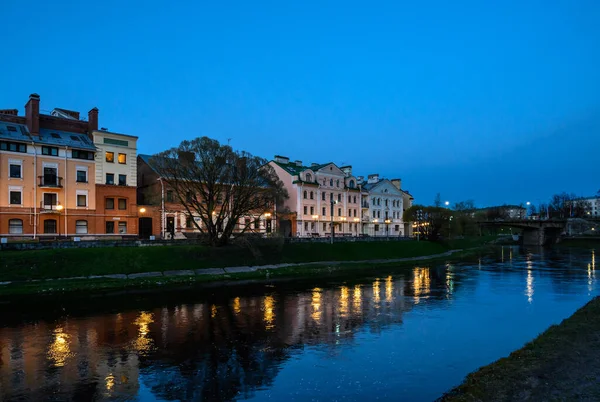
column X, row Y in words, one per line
column 382, row 207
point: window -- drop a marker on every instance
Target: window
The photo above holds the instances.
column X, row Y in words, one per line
column 339, row 211
column 189, row 222
column 116, row 142
column 305, row 193
column 324, row 226
column 13, row 147
column 15, row 169
column 305, row 210
column 312, row 226
column 110, row 178
column 330, row 196
column 355, row 213
column 52, row 151
column 308, row 177
column 324, row 211
column 122, row 180
column 81, row 175
column 15, row 196
column 15, row 226
column 122, row 203
column 50, row 177
column 337, row 183
column 189, row 196
column 81, row 227
column 397, row 228
column 50, row 226
column 110, row 227
column 311, row 195
column 355, row 199
column 50, row 199
column 323, row 195
column 306, row 226
column 77, row 154
column 122, row 227
column 339, row 198
column 386, row 203
column 331, row 182
column 54, row 135
column 81, row 200
column 351, row 184
column 377, row 228
column 110, row 157
column 110, row 203
column 122, row 159
column 75, row 138
column 11, row 128
column 312, row 210
column 169, row 195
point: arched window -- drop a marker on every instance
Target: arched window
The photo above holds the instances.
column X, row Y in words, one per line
column 331, row 182
column 15, row 226
column 337, row 183
column 351, row 184
column 311, row 195
column 50, row 226
column 305, row 194
column 81, row 227
column 308, row 177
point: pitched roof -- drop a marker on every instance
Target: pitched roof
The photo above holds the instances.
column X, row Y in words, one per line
column 293, row 169
column 64, row 139
column 14, row 132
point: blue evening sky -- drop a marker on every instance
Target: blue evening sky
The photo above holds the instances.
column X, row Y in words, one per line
column 475, row 100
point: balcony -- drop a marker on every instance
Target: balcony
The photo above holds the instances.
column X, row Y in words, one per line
column 50, row 208
column 50, row 181
column 365, row 204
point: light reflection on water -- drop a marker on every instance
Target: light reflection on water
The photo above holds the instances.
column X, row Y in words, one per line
column 397, row 334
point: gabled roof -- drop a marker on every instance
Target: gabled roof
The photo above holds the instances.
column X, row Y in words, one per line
column 293, row 169
column 146, row 158
column 371, row 186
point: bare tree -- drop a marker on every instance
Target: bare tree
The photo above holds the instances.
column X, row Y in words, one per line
column 219, row 185
column 437, row 202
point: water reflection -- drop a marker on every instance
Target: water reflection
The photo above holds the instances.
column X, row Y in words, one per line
column 233, row 344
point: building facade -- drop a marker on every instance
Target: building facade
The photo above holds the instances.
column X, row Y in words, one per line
column 320, row 196
column 383, row 206
column 48, row 172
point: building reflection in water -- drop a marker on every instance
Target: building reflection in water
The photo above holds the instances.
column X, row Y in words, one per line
column 221, row 349
column 591, row 271
column 421, row 283
column 449, row 280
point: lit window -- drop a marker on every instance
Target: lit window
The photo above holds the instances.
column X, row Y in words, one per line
column 110, row 157
column 122, row 159
column 122, row 227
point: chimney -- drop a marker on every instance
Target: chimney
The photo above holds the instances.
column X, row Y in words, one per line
column 32, row 114
column 397, row 183
column 92, row 120
column 373, row 178
column 11, row 112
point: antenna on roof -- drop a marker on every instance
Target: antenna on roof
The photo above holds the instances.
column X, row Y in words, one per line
column 228, row 141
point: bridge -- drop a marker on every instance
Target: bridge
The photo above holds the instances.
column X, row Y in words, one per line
column 535, row 233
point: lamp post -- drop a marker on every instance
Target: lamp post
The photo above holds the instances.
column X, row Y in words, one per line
column 332, row 227
column 316, row 221
column 356, row 225
column 387, row 228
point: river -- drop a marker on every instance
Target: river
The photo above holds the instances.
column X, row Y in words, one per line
column 386, row 334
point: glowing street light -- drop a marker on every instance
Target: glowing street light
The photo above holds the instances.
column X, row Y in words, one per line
column 447, row 203
column 142, row 210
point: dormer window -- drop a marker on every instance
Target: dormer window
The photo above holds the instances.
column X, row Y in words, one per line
column 308, row 177
column 351, row 184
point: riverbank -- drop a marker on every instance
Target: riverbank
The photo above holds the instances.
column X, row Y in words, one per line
column 563, row 363
column 72, row 270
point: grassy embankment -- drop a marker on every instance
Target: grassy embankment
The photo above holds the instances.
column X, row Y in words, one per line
column 561, row 364
column 42, row 265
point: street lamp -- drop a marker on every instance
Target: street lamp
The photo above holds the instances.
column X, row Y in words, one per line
column 142, row 210
column 356, row 220
column 447, row 203
column 387, row 228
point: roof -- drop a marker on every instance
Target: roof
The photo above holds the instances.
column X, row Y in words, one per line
column 293, row 169
column 14, row 132
column 64, row 139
